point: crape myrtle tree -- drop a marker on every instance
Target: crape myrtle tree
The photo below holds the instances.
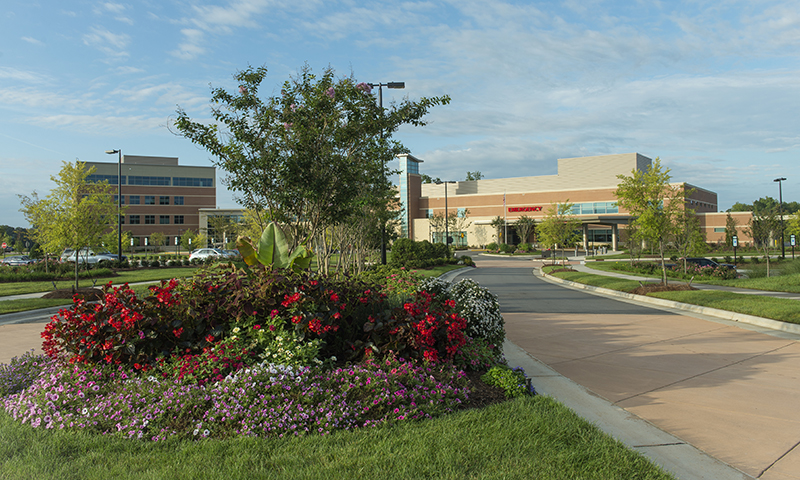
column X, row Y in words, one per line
column 74, row 214
column 524, row 226
column 654, row 203
column 312, row 156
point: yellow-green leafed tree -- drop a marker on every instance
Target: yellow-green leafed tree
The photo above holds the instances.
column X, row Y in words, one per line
column 654, row 203
column 75, row 213
column 558, row 229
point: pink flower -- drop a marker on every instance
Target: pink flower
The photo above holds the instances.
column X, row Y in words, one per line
column 257, row 327
column 330, row 92
column 364, row 87
column 243, row 90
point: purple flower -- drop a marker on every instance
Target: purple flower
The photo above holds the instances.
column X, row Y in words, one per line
column 364, row 87
column 330, row 92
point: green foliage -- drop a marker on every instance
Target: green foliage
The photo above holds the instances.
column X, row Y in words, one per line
column 410, row 254
column 75, row 214
column 513, row 381
column 474, row 176
column 558, row 229
column 492, row 246
column 273, row 251
column 313, row 155
column 525, row 226
column 730, row 230
column 654, row 202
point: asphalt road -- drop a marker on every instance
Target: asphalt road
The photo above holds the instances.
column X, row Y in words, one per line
column 519, row 291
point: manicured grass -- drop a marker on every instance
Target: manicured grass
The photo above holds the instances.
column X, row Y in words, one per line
column 531, row 437
column 782, row 283
column 26, row 304
column 782, row 309
column 603, row 281
column 131, row 276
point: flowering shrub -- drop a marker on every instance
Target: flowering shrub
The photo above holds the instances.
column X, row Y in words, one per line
column 477, row 305
column 264, row 400
column 121, row 329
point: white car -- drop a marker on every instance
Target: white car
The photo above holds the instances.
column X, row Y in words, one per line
column 203, row 253
column 87, row 255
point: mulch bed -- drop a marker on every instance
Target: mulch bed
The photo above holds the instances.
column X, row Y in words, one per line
column 660, row 287
column 87, row 293
column 482, row 395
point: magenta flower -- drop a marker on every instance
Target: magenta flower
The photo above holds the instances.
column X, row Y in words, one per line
column 364, row 87
column 330, row 92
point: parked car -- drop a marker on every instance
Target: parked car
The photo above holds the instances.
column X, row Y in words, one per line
column 17, row 260
column 65, row 254
column 705, row 262
column 231, row 253
column 203, row 253
column 87, row 255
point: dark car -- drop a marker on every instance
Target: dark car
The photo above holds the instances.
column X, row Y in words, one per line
column 704, row 262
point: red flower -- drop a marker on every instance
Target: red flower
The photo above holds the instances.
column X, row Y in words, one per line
column 256, row 327
column 178, row 332
column 209, row 338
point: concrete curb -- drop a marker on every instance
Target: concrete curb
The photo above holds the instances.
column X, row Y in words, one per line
column 711, row 312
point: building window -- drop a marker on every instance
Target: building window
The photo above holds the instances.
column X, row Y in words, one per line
column 178, row 220
column 142, row 180
column 122, row 219
column 134, row 219
column 178, row 200
column 163, row 200
column 163, row 219
column 111, row 179
column 149, row 219
column 719, row 230
column 133, row 199
column 149, row 199
column 192, row 182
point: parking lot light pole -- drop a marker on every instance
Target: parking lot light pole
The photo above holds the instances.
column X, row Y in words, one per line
column 446, row 226
column 119, row 201
column 780, row 211
column 396, row 85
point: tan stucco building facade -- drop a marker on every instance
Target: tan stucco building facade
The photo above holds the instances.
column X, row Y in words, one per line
column 586, row 182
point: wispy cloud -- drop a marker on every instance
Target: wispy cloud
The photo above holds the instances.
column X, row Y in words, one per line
column 32, row 41
column 112, row 44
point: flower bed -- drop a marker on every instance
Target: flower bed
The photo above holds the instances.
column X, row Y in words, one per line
column 265, row 353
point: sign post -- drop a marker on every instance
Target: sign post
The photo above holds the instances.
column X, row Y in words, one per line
column 735, row 241
column 792, row 240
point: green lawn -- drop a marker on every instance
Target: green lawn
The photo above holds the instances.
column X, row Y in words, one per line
column 531, row 437
column 132, row 276
column 782, row 309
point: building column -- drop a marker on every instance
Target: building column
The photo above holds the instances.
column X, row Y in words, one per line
column 585, row 228
column 614, row 237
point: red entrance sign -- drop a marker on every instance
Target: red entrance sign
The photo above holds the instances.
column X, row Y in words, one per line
column 524, row 209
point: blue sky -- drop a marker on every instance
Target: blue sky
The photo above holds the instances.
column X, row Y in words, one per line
column 711, row 87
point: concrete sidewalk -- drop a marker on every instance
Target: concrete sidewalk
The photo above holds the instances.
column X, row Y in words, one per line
column 727, row 390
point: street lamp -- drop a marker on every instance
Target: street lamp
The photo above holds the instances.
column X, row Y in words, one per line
column 119, row 202
column 780, row 210
column 396, row 85
column 446, row 226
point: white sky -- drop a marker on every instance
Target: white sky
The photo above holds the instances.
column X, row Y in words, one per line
column 711, row 87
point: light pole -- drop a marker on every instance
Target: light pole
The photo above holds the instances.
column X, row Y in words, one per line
column 119, row 202
column 397, row 85
column 780, row 211
column 446, row 222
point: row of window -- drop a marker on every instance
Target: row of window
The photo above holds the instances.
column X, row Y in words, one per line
column 153, row 181
column 594, row 208
column 150, row 200
column 151, row 219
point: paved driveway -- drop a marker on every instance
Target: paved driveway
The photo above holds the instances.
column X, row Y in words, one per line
column 731, row 392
